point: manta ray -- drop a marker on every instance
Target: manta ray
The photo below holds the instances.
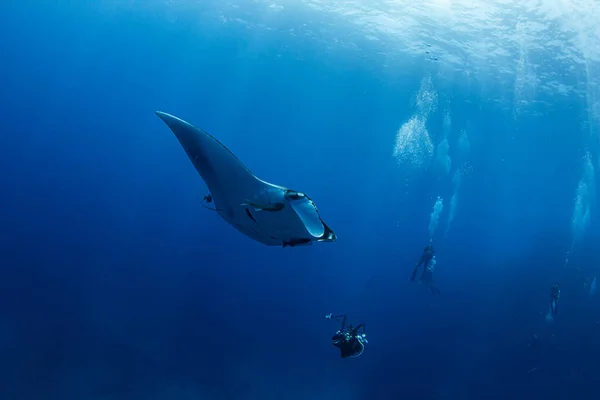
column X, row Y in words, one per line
column 270, row 214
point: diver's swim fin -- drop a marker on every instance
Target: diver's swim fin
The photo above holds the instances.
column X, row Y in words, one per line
column 414, row 274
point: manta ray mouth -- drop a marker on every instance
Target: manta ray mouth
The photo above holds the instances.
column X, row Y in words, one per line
column 307, row 211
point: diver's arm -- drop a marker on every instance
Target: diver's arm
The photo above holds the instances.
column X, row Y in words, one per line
column 337, row 318
column 364, row 329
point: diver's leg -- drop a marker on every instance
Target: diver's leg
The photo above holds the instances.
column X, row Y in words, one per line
column 425, row 265
column 414, row 274
column 340, row 318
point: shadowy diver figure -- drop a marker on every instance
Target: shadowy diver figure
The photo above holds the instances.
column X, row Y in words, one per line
column 554, row 296
column 427, row 277
column 535, row 341
column 351, row 341
column 426, row 257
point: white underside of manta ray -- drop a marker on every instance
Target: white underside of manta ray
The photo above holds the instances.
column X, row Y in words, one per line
column 270, row 214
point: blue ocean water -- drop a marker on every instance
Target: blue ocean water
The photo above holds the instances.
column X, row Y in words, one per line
column 472, row 124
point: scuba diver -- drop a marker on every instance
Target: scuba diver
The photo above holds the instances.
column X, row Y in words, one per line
column 351, row 341
column 590, row 285
column 554, row 296
column 426, row 257
column 427, row 277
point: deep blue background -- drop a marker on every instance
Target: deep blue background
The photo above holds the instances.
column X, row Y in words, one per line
column 115, row 283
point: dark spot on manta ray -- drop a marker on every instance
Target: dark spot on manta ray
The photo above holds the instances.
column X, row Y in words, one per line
column 250, row 216
column 275, row 207
column 294, row 242
column 265, row 207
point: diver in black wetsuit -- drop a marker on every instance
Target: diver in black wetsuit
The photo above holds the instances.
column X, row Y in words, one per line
column 554, row 296
column 351, row 341
column 426, row 257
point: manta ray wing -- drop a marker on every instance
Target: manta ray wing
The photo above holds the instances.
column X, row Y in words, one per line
column 232, row 185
